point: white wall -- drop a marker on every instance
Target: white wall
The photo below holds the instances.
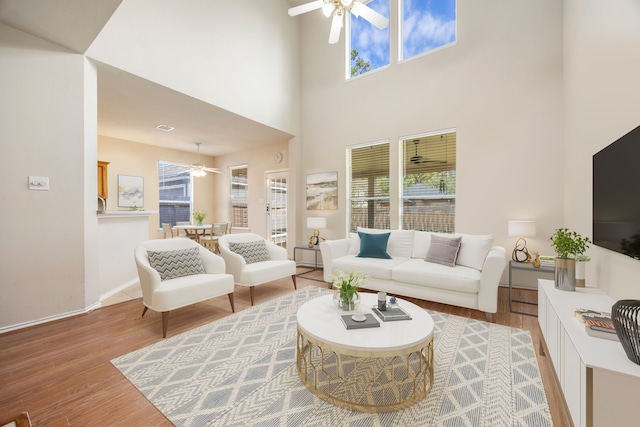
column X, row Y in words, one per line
column 500, row 87
column 601, row 69
column 237, row 55
column 43, row 131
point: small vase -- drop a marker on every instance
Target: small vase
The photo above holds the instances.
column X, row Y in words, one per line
column 199, row 224
column 346, row 305
column 580, row 273
column 565, row 274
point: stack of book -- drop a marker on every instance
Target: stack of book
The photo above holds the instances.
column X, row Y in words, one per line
column 597, row 323
column 547, row 261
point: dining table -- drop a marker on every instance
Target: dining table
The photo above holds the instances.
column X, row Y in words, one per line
column 193, row 231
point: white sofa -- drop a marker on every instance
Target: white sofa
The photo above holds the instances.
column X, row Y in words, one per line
column 472, row 282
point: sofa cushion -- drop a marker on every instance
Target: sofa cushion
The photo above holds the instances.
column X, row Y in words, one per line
column 474, row 249
column 254, row 251
column 176, row 263
column 377, row 268
column 400, row 241
column 421, row 242
column 443, row 250
column 430, row 275
column 373, row 245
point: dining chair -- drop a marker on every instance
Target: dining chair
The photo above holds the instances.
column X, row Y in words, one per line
column 210, row 239
column 167, row 230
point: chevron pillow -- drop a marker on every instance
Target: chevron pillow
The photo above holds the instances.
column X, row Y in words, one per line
column 178, row 263
column 255, row 251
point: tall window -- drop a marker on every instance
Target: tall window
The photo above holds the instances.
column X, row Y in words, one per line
column 368, row 179
column 175, row 192
column 429, row 182
column 239, row 197
column 369, row 46
column 426, row 25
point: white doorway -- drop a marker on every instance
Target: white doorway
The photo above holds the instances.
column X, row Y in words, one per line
column 277, row 202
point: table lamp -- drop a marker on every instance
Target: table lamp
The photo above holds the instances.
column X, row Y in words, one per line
column 521, row 229
column 316, row 224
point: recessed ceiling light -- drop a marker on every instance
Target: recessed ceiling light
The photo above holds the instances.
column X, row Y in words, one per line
column 165, row 128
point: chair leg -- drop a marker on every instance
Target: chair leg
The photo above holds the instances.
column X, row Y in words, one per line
column 251, row 293
column 295, row 285
column 233, row 308
column 165, row 323
column 144, row 310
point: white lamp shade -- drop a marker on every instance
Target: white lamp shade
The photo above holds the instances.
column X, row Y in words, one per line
column 316, row 223
column 522, row 228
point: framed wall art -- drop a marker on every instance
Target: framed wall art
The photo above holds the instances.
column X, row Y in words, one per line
column 130, row 191
column 322, row 191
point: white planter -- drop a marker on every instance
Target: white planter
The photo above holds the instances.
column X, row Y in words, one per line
column 580, row 273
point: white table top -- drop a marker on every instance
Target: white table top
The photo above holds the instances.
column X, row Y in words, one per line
column 320, row 319
column 193, row 227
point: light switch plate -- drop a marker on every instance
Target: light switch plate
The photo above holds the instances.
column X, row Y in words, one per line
column 40, row 183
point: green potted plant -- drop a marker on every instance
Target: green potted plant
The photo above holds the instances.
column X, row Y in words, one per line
column 199, row 216
column 568, row 245
column 347, row 297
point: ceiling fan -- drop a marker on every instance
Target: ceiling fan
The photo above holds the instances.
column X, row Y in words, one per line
column 417, row 160
column 198, row 169
column 337, row 8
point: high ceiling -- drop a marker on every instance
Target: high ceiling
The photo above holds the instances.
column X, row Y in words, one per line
column 130, row 107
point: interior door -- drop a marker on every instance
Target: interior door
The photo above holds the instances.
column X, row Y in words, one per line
column 277, row 200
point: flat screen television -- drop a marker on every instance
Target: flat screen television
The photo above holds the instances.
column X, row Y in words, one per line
column 616, row 195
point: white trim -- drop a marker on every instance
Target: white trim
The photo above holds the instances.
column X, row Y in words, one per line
column 50, row 318
column 120, row 288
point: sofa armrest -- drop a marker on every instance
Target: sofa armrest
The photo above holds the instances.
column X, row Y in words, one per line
column 330, row 250
column 234, row 263
column 494, row 265
column 277, row 252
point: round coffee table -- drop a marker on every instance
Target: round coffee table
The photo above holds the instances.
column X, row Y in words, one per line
column 379, row 369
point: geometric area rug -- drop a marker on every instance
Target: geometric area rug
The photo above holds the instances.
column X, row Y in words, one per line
column 241, row 371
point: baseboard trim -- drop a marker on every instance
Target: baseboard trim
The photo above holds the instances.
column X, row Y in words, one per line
column 30, row 323
column 121, row 287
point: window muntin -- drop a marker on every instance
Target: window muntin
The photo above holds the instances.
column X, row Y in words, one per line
column 429, row 182
column 175, row 186
column 426, row 25
column 239, row 195
column 368, row 46
column 368, row 180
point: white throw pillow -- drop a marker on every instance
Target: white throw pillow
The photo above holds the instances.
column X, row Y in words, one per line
column 177, row 263
column 474, row 249
column 421, row 242
column 255, row 251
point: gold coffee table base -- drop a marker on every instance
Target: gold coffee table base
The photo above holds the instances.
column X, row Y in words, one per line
column 366, row 381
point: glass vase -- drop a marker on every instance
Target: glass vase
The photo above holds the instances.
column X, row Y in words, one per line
column 346, row 305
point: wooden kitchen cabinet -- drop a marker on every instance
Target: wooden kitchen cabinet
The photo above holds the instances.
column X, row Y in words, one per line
column 103, row 179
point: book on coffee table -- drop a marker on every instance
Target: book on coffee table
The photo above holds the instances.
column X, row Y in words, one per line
column 369, row 322
column 393, row 312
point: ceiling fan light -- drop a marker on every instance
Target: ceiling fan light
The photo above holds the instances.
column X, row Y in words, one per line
column 198, row 172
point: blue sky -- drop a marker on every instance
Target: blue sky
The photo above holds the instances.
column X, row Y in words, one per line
column 427, row 24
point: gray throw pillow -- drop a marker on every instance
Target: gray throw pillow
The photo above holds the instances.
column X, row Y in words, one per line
column 255, row 251
column 177, row 263
column 443, row 250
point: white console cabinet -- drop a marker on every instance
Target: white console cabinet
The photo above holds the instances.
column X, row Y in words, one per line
column 600, row 384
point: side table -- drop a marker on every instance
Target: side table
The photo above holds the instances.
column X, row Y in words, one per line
column 316, row 250
column 527, row 266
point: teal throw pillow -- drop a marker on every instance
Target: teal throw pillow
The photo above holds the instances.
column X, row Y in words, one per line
column 373, row 245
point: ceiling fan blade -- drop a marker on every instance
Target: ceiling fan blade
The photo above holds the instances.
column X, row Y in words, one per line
column 360, row 9
column 213, row 170
column 336, row 27
column 304, row 8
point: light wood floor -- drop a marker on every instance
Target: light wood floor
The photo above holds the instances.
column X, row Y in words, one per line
column 60, row 372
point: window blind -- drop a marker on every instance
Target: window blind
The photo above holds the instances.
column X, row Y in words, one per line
column 369, row 186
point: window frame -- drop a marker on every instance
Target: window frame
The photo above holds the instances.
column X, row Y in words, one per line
column 349, row 165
